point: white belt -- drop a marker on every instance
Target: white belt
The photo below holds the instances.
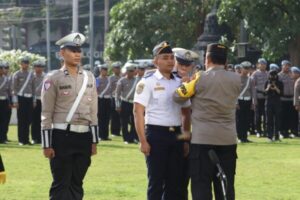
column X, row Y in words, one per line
column 3, row 97
column 105, row 96
column 73, row 128
column 129, row 101
column 38, row 98
column 28, row 95
column 245, row 98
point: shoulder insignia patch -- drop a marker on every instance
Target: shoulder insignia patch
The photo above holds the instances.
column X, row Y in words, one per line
column 47, row 84
column 140, row 88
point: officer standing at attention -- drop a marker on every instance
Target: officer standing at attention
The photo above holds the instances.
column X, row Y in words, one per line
column 104, row 101
column 215, row 93
column 140, row 71
column 4, row 103
column 115, row 123
column 124, row 103
column 38, row 66
column 289, row 116
column 260, row 77
column 69, row 121
column 23, row 99
column 158, row 122
column 245, row 103
column 8, row 114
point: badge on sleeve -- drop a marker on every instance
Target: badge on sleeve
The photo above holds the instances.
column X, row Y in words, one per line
column 47, row 85
column 140, row 88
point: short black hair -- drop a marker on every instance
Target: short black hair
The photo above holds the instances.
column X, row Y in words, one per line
column 217, row 58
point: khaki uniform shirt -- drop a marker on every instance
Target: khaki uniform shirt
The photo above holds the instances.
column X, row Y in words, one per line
column 259, row 80
column 214, row 106
column 38, row 82
column 4, row 87
column 297, row 93
column 103, row 87
column 288, row 86
column 113, row 84
column 19, row 79
column 125, row 90
column 58, row 95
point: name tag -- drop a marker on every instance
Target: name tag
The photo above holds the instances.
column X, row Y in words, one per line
column 159, row 88
column 63, row 87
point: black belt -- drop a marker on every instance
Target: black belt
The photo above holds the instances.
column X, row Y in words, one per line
column 171, row 129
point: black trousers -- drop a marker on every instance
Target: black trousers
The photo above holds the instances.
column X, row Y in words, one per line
column 70, row 164
column 164, row 164
column 242, row 115
column 4, row 114
column 273, row 109
column 127, row 118
column 115, row 123
column 24, row 115
column 289, row 118
column 103, row 117
column 259, row 115
column 204, row 172
column 36, row 122
column 252, row 122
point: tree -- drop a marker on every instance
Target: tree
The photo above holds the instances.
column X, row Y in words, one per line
column 138, row 25
column 271, row 24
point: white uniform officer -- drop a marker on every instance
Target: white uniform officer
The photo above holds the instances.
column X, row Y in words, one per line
column 69, row 121
column 158, row 122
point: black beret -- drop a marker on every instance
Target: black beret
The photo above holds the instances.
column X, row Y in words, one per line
column 163, row 47
column 217, row 49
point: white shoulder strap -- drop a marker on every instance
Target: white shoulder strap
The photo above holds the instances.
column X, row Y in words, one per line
column 3, row 83
column 25, row 84
column 106, row 88
column 245, row 88
column 132, row 89
column 79, row 97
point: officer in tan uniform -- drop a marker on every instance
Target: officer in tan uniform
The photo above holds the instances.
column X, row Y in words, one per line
column 4, row 103
column 215, row 93
column 104, row 101
column 115, row 123
column 23, row 99
column 38, row 66
column 124, row 103
column 69, row 121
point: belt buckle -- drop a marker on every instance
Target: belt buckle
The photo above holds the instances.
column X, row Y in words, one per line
column 171, row 129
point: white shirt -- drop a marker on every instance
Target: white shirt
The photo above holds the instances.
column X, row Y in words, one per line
column 155, row 93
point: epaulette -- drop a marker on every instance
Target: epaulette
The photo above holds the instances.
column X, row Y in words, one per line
column 149, row 73
column 52, row 72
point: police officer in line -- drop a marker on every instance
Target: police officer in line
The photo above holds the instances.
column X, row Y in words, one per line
column 39, row 74
column 140, row 71
column 183, row 69
column 296, row 101
column 260, row 77
column 238, row 68
column 69, row 121
column 245, row 103
column 104, row 101
column 115, row 123
column 289, row 116
column 124, row 103
column 23, row 90
column 158, row 122
column 4, row 102
column 215, row 92
column 8, row 115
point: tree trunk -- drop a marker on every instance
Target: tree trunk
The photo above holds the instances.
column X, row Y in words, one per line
column 294, row 51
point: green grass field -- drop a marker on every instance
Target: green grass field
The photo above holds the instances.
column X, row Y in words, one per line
column 265, row 171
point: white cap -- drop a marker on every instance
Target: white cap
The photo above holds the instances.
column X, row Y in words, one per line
column 72, row 40
column 185, row 56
